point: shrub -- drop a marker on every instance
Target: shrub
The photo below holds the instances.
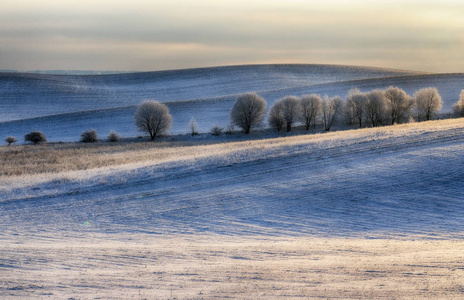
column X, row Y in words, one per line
column 113, row 137
column 10, row 140
column 89, row 136
column 153, row 118
column 217, row 130
column 248, row 112
column 35, row 137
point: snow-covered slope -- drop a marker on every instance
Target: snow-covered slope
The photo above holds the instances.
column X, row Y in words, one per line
column 33, row 95
column 404, row 179
column 209, row 111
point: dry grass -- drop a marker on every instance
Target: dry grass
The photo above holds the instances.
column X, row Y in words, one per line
column 59, row 160
column 53, row 158
column 211, row 267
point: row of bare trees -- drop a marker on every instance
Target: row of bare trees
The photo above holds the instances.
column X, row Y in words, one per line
column 390, row 106
column 374, row 108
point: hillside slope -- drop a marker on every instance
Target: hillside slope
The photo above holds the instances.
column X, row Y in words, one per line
column 216, row 110
column 25, row 95
column 397, row 180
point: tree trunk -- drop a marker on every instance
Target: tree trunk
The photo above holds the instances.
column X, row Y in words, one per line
column 289, row 126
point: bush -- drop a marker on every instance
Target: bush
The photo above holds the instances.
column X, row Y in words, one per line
column 217, row 130
column 152, row 117
column 35, row 137
column 113, row 137
column 89, row 136
column 248, row 112
column 10, row 140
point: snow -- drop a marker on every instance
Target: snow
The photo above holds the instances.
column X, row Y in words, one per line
column 393, row 180
column 368, row 213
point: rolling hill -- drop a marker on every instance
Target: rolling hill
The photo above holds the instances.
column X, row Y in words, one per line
column 367, row 213
column 63, row 106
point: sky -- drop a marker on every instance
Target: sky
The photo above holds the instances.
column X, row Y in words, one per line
column 144, row 35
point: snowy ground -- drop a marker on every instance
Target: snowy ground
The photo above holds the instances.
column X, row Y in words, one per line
column 142, row 266
column 355, row 214
column 369, row 213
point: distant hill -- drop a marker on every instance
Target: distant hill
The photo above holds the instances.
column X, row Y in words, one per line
column 65, row 105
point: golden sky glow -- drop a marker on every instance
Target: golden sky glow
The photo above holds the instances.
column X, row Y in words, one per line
column 153, row 35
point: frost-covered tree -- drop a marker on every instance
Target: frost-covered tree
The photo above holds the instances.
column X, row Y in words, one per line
column 153, row 118
column 399, row 104
column 193, row 126
column 89, row 136
column 458, row 108
column 35, row 137
column 376, row 107
column 331, row 110
column 248, row 112
column 291, row 105
column 310, row 109
column 276, row 116
column 356, row 106
column 10, row 140
column 427, row 102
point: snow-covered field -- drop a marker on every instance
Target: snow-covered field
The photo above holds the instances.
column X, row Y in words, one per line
column 333, row 215
column 368, row 213
column 62, row 107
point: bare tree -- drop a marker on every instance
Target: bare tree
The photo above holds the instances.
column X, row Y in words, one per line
column 458, row 108
column 427, row 102
column 152, row 117
column 248, row 112
column 276, row 116
column 291, row 109
column 193, row 126
column 35, row 137
column 356, row 106
column 10, row 140
column 399, row 104
column 331, row 110
column 310, row 109
column 376, row 107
